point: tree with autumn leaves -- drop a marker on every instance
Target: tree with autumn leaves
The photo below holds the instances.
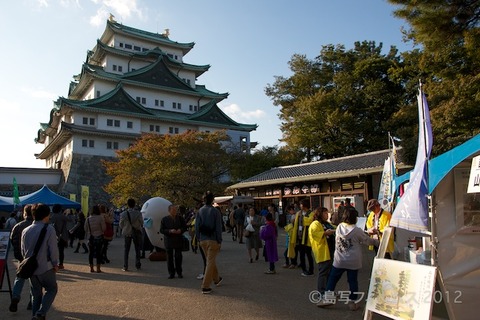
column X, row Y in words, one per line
column 179, row 168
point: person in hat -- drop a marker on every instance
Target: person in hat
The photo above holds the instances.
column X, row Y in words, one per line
column 379, row 219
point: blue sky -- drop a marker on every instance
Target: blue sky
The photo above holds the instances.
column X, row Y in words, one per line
column 247, row 43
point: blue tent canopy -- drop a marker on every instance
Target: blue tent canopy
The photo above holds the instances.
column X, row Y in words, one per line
column 6, row 204
column 48, row 197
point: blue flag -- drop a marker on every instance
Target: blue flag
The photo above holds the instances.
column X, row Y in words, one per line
column 411, row 213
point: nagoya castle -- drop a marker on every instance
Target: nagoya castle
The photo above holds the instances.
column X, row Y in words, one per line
column 132, row 82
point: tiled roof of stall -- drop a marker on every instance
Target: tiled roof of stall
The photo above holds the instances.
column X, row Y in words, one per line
column 366, row 163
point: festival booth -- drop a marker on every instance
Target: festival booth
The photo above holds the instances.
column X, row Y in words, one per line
column 48, row 197
column 441, row 206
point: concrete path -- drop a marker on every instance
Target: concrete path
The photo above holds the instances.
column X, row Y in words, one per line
column 245, row 293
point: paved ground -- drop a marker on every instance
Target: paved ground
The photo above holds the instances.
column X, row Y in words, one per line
column 245, row 293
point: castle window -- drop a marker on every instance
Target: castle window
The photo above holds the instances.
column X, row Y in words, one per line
column 174, row 105
column 156, row 102
column 179, row 105
column 88, row 143
column 129, row 124
column 114, row 67
column 109, row 122
column 117, row 123
column 98, row 93
column 128, row 46
column 162, row 103
column 112, row 145
column 120, row 68
column 136, row 48
column 144, row 100
column 121, row 44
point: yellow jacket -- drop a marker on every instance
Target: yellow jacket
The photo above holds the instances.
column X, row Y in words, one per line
column 316, row 235
column 307, row 220
column 383, row 222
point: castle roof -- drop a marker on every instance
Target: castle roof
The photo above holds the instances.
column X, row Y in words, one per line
column 155, row 76
column 113, row 27
column 119, row 102
column 152, row 55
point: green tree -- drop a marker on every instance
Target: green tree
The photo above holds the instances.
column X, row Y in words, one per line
column 175, row 167
column 449, row 64
column 339, row 103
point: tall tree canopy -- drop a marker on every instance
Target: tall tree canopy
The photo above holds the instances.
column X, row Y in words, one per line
column 339, row 103
column 449, row 34
column 176, row 167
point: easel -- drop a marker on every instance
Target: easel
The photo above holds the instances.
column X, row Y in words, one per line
column 389, row 273
column 4, row 249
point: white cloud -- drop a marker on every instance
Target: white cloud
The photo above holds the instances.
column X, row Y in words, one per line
column 42, row 3
column 121, row 9
column 236, row 113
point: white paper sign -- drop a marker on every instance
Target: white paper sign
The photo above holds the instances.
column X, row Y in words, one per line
column 474, row 181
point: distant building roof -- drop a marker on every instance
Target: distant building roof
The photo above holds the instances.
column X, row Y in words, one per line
column 360, row 164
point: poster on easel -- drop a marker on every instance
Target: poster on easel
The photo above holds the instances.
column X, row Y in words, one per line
column 401, row 290
column 4, row 247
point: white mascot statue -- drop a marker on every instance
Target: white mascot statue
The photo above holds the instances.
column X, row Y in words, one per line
column 153, row 211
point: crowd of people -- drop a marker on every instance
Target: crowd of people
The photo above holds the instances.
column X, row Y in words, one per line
column 312, row 238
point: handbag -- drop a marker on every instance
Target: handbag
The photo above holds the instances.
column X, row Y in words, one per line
column 27, row 267
column 185, row 244
column 247, row 233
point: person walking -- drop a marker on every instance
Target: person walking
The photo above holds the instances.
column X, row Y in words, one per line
column 16, row 240
column 79, row 231
column 43, row 283
column 322, row 239
column 172, row 227
column 208, row 230
column 108, row 232
column 59, row 222
column 253, row 241
column 239, row 217
column 268, row 233
column 290, row 263
column 347, row 257
column 71, row 220
column 94, row 229
column 131, row 223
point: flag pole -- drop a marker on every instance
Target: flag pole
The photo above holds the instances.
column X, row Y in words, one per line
column 430, row 206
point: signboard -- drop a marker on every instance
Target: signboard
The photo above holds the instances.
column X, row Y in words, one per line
column 467, row 205
column 401, row 290
column 474, row 180
column 4, row 246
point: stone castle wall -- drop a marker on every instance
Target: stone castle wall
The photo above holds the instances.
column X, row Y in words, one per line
column 86, row 170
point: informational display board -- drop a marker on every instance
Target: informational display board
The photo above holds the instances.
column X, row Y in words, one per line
column 401, row 290
column 474, row 180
